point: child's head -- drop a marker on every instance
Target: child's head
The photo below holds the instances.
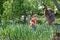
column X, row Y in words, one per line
column 35, row 15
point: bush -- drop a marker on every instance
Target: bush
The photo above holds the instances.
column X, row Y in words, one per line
column 39, row 21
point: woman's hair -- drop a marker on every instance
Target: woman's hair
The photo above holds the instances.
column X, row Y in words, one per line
column 45, row 7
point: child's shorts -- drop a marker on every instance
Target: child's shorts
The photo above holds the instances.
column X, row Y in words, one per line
column 34, row 27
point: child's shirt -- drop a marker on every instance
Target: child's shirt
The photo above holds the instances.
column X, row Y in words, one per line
column 33, row 22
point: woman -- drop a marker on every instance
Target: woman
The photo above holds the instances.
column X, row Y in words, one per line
column 49, row 15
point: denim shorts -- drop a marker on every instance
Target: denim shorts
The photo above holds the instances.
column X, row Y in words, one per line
column 34, row 27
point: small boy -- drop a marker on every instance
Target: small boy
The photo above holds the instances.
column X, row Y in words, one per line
column 33, row 21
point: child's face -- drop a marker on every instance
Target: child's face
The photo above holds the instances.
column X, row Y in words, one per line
column 35, row 17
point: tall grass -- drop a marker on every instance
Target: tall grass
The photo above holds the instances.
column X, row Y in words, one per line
column 21, row 32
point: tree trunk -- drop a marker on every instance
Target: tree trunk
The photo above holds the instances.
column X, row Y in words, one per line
column 57, row 4
column 0, row 19
column 24, row 18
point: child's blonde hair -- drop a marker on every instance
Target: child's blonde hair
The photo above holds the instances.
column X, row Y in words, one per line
column 35, row 15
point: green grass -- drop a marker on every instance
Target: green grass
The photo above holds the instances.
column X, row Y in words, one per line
column 25, row 32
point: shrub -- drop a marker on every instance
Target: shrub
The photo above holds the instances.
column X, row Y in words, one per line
column 39, row 21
